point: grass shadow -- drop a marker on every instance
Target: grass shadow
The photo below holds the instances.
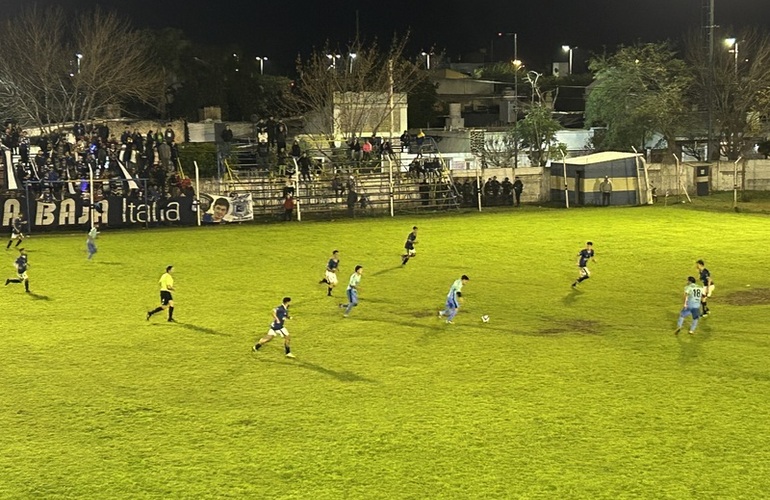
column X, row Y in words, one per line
column 342, row 376
column 106, row 263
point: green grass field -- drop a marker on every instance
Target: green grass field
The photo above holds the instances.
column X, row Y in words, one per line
column 563, row 394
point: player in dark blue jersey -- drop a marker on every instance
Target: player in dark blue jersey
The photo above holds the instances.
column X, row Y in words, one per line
column 280, row 315
column 584, row 256
column 17, row 231
column 330, row 277
column 411, row 241
column 708, row 286
column 21, row 270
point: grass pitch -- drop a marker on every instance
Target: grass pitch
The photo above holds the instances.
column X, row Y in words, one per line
column 563, row 394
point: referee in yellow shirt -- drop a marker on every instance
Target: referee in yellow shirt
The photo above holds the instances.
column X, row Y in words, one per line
column 166, row 300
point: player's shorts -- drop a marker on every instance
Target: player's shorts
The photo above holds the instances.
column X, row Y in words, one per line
column 694, row 312
column 22, row 276
column 585, row 272
column 331, row 277
column 283, row 332
column 91, row 247
column 410, row 251
column 165, row 297
column 452, row 304
column 707, row 290
column 15, row 235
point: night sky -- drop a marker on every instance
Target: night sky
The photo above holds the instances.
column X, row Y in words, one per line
column 280, row 29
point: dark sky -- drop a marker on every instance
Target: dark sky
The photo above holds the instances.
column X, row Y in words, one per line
column 279, row 29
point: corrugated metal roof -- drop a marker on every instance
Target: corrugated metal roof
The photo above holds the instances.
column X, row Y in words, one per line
column 602, row 157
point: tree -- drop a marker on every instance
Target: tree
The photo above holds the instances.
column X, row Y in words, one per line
column 537, row 131
column 739, row 94
column 54, row 72
column 638, row 91
column 342, row 96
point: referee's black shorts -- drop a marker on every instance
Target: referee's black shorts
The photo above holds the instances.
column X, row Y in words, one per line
column 165, row 297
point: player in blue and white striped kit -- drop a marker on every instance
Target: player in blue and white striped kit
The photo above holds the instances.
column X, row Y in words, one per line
column 692, row 299
column 453, row 299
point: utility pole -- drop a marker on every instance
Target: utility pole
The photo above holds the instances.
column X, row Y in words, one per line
column 709, row 18
column 516, row 66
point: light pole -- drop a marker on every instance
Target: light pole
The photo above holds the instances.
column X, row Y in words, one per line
column 516, row 67
column 261, row 64
column 80, row 57
column 351, row 57
column 426, row 55
column 732, row 44
column 333, row 58
column 567, row 48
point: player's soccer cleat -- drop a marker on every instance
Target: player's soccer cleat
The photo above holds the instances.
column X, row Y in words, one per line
column 171, row 320
column 574, row 285
column 450, row 322
column 148, row 316
column 290, row 355
column 7, row 281
column 704, row 315
column 691, row 332
column 254, row 348
column 344, row 315
column 676, row 332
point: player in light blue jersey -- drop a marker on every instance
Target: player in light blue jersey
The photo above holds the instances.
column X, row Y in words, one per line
column 692, row 298
column 352, row 290
column 91, row 240
column 453, row 299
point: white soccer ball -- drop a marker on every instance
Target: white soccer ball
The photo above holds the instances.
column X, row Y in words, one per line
column 485, row 318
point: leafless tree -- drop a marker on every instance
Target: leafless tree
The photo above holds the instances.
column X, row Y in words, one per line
column 739, row 93
column 55, row 71
column 349, row 93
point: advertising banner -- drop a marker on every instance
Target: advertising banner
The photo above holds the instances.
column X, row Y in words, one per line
column 217, row 209
column 113, row 211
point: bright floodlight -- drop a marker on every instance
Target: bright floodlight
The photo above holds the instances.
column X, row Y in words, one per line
column 566, row 48
column 730, row 41
column 79, row 55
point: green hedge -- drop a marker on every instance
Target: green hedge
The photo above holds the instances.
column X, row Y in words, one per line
column 204, row 153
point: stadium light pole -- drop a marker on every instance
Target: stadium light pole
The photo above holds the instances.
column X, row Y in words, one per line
column 80, row 58
column 732, row 44
column 568, row 49
column 426, row 55
column 333, row 58
column 261, row 64
column 351, row 57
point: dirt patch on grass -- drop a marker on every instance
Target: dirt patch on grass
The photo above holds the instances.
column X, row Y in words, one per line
column 753, row 297
column 581, row 326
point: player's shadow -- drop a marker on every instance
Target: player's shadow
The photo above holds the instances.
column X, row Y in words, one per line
column 203, row 329
column 691, row 346
column 37, row 296
column 572, row 297
column 194, row 328
column 383, row 271
column 342, row 376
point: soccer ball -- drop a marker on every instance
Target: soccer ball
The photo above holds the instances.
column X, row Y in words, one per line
column 485, row 318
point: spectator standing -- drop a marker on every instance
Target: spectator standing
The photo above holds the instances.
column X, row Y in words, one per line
column 507, row 186
column 304, row 167
column 606, row 189
column 288, row 207
column 518, row 187
column 169, row 135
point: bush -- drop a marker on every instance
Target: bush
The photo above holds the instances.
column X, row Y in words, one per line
column 204, row 153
